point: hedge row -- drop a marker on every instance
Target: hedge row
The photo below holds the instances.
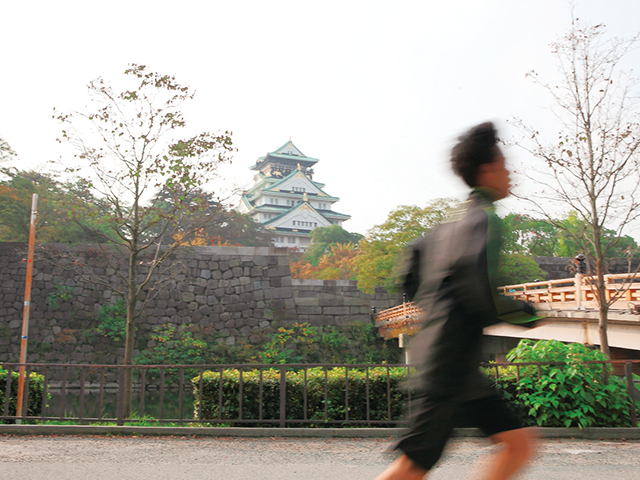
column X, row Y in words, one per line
column 382, row 382
column 34, row 405
column 572, row 395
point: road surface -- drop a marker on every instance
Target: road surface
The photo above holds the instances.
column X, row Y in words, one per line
column 175, row 458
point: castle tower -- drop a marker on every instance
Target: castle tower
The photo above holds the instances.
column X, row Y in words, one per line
column 286, row 200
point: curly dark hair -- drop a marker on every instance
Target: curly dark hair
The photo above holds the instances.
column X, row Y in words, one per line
column 476, row 147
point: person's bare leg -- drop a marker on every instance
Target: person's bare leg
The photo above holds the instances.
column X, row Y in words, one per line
column 518, row 449
column 403, row 469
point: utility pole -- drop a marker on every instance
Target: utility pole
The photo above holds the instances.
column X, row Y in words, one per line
column 27, row 308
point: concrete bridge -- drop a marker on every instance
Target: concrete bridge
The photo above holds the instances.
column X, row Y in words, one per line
column 570, row 309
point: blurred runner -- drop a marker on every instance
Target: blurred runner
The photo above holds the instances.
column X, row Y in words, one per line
column 451, row 273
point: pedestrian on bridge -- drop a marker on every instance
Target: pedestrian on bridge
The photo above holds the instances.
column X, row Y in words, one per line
column 451, row 274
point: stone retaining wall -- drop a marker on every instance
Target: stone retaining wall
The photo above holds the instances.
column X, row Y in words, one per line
column 232, row 294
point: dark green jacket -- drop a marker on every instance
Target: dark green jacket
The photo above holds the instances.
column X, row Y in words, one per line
column 455, row 285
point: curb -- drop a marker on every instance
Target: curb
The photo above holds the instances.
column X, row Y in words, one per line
column 574, row 433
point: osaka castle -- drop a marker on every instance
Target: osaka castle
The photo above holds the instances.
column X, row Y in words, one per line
column 287, row 200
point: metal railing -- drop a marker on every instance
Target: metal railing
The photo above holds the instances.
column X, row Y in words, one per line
column 95, row 393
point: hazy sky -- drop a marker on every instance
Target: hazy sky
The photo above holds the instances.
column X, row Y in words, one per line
column 377, row 90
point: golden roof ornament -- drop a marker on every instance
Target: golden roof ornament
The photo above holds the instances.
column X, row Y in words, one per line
column 304, row 197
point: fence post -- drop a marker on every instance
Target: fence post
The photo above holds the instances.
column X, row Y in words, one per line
column 283, row 397
column 121, row 388
column 631, row 390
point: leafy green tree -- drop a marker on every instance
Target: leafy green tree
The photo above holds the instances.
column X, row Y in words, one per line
column 218, row 224
column 558, row 237
column 127, row 146
column 515, row 268
column 383, row 245
column 592, row 169
column 529, row 236
column 238, row 229
column 54, row 224
column 323, row 238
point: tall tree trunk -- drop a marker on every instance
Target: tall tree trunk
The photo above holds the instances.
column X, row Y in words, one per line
column 603, row 305
column 130, row 338
column 602, row 329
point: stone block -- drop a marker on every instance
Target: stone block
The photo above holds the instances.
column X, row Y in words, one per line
column 362, row 318
column 230, row 341
column 260, row 261
column 187, row 297
column 319, row 320
column 276, row 304
column 237, row 271
column 308, row 301
column 309, row 310
column 279, row 292
column 335, row 310
column 278, row 272
column 227, row 275
column 331, row 301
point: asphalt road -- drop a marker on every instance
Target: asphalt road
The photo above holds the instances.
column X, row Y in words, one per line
column 175, row 458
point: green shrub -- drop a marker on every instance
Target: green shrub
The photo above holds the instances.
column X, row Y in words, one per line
column 571, row 394
column 303, row 343
column 112, row 320
column 173, row 347
column 334, row 408
column 61, row 293
column 36, row 387
column 289, row 344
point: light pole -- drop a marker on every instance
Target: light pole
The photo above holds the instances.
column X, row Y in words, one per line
column 27, row 308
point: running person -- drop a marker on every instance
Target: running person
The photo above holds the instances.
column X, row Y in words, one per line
column 452, row 278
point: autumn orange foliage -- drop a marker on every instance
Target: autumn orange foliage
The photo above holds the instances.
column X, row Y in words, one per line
column 200, row 239
column 336, row 264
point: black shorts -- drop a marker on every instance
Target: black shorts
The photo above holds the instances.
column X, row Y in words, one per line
column 436, row 417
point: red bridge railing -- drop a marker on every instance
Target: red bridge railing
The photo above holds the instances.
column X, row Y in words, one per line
column 562, row 294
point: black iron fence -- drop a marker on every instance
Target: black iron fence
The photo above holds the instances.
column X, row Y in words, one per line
column 275, row 395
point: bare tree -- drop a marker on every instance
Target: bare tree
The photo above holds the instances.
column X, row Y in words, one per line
column 592, row 169
column 6, row 153
column 126, row 150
